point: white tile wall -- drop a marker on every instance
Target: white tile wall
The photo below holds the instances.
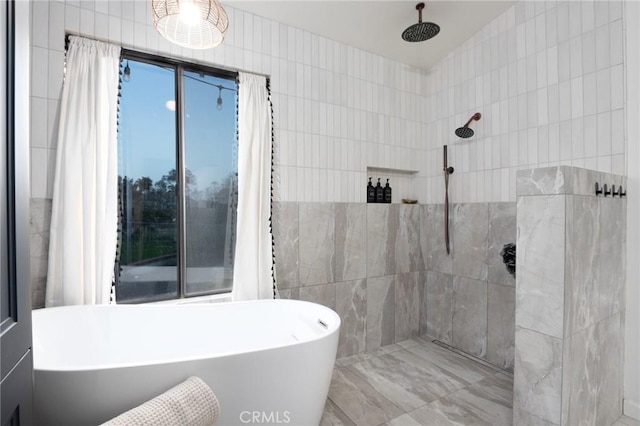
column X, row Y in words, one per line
column 554, row 94
column 547, row 77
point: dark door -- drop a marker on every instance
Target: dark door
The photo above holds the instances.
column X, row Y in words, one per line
column 16, row 365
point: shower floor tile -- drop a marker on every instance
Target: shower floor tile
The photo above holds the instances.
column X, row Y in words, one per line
column 417, row 382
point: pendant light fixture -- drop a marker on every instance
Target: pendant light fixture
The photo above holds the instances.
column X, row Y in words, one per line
column 196, row 24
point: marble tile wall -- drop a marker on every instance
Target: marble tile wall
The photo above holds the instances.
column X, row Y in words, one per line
column 569, row 297
column 40, row 210
column 385, row 270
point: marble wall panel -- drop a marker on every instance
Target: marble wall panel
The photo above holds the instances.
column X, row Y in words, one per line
column 380, row 311
column 40, row 211
column 351, row 241
column 502, row 230
column 409, row 256
column 289, row 293
column 382, row 229
column 580, row 378
column 544, row 181
column 425, row 225
column 610, row 364
column 540, row 264
column 501, row 325
column 351, row 305
column 285, row 238
column 437, row 257
column 422, row 308
column 611, row 259
column 407, row 300
column 470, row 232
column 563, row 180
column 323, row 294
column 581, row 253
column 317, row 243
column 469, row 324
column 40, row 222
column 439, row 305
column 537, row 380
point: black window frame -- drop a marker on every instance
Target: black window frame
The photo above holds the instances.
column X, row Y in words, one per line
column 179, row 67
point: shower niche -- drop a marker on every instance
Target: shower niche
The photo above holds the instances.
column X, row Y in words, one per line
column 405, row 183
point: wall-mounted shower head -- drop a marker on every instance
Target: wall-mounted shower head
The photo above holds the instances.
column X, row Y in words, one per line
column 464, row 131
column 422, row 30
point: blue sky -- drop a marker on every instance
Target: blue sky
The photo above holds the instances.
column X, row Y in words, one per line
column 147, row 126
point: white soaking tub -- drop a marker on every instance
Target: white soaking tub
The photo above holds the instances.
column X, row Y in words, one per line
column 268, row 362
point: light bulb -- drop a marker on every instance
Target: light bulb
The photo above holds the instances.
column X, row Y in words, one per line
column 189, row 13
column 219, row 103
column 127, row 73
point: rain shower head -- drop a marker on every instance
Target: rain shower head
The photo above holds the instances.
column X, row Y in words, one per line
column 422, row 30
column 464, row 131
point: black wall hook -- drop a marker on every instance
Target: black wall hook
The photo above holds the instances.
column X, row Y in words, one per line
column 613, row 191
column 606, row 190
column 598, row 189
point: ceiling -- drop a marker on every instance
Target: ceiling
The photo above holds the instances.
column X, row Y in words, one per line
column 376, row 26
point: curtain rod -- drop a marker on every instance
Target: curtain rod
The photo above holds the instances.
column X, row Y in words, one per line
column 159, row 54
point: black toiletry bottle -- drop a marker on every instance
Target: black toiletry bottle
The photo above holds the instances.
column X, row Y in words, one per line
column 371, row 192
column 379, row 192
column 387, row 193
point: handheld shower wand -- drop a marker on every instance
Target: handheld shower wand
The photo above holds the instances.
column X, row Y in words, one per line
column 447, row 171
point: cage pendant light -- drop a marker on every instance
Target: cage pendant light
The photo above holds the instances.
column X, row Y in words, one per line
column 196, row 24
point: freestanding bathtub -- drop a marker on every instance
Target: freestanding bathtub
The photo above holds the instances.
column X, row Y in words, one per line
column 268, row 362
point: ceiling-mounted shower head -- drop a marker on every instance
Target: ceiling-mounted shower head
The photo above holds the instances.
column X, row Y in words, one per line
column 464, row 131
column 422, row 30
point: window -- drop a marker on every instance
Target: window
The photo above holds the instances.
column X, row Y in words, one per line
column 177, row 171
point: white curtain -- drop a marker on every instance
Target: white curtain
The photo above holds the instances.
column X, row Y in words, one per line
column 252, row 277
column 84, row 218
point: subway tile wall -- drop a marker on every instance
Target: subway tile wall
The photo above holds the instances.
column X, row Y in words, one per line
column 548, row 78
column 337, row 109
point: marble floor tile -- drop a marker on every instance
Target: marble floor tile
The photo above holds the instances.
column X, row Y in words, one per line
column 497, row 388
column 409, row 343
column 457, row 365
column 360, row 401
column 387, row 349
column 484, row 403
column 416, row 382
column 403, row 420
column 464, row 407
column 348, row 360
column 334, row 416
column 627, row 421
column 406, row 380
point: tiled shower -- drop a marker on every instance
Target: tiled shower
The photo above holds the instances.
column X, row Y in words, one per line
column 385, row 270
